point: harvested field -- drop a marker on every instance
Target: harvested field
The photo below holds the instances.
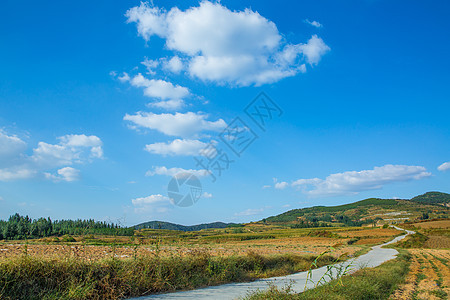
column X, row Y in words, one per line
column 437, row 242
column 428, row 277
column 444, row 224
column 307, row 246
column 378, row 232
column 275, row 241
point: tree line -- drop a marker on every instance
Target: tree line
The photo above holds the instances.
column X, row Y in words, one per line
column 19, row 227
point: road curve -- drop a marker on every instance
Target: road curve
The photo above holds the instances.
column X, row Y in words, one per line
column 373, row 258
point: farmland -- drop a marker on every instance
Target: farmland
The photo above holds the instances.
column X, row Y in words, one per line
column 421, row 271
column 263, row 240
column 44, row 259
column 97, row 267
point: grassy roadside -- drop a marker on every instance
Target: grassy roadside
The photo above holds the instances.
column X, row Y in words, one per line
column 38, row 278
column 369, row 283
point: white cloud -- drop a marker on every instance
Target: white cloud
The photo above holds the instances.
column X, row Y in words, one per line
column 15, row 173
column 173, row 104
column 281, row 185
column 80, row 140
column 173, row 171
column 65, row 174
column 250, row 212
column 177, row 147
column 150, row 65
column 207, row 195
column 167, row 95
column 224, row 46
column 124, row 78
column 71, row 149
column 11, row 147
column 174, row 65
column 159, row 88
column 151, row 203
column 314, row 50
column 152, row 199
column 353, row 182
column 184, row 125
column 314, row 23
column 1, row 198
column 150, row 20
column 266, row 186
column 444, row 167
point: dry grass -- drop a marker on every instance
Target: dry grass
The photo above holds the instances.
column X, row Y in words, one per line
column 285, row 242
column 377, row 232
column 444, row 224
column 110, row 269
column 437, row 242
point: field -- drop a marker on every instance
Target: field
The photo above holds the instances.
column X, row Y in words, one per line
column 428, row 277
column 429, row 274
column 108, row 267
column 445, row 224
column 263, row 240
column 421, row 271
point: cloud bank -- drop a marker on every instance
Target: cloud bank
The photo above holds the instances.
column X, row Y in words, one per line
column 222, row 46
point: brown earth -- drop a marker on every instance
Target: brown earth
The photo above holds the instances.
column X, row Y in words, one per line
column 428, row 277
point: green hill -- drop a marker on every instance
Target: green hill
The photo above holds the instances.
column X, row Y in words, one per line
column 172, row 226
column 368, row 211
column 433, row 198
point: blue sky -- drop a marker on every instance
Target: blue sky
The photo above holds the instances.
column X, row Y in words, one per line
column 101, row 103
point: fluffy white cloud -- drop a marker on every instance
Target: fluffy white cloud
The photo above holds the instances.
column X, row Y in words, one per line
column 352, row 182
column 173, row 171
column 224, row 46
column 177, row 147
column 444, row 167
column 184, row 125
column 71, row 149
column 281, row 185
column 10, row 147
column 159, row 88
column 152, row 199
column 168, row 96
column 314, row 50
column 314, row 23
column 80, row 140
column 174, row 65
column 152, row 203
column 65, row 174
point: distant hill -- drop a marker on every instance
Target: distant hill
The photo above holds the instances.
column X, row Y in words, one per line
column 172, row 226
column 368, row 211
column 433, row 198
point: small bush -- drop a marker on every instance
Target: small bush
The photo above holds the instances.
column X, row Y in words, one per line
column 68, row 239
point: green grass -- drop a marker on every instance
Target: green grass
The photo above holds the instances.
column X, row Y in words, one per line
column 415, row 240
column 370, row 283
column 31, row 278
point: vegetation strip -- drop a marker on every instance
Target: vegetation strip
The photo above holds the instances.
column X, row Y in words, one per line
column 33, row 278
column 370, row 283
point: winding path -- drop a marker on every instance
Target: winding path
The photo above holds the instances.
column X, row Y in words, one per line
column 373, row 258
